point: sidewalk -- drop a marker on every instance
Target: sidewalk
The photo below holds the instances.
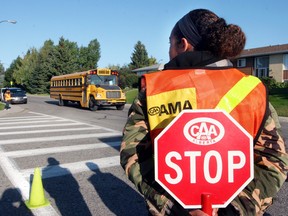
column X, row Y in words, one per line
column 284, row 128
column 13, row 109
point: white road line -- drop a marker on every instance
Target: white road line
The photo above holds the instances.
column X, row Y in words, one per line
column 55, row 138
column 74, row 168
column 34, row 122
column 47, row 211
column 22, row 185
column 49, row 131
column 33, row 116
column 39, row 114
column 27, row 119
column 47, row 125
column 14, row 176
column 108, row 129
column 24, row 117
column 43, row 151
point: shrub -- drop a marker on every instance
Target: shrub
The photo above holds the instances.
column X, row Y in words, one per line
column 273, row 85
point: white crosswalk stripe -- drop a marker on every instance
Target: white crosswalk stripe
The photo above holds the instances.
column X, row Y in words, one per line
column 72, row 168
column 44, row 132
column 55, row 138
column 25, row 153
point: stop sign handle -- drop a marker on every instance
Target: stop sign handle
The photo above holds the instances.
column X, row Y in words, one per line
column 206, row 203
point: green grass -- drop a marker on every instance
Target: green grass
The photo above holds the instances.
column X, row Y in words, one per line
column 131, row 95
column 2, row 105
column 279, row 99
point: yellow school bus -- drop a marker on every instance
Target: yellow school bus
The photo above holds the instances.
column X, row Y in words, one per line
column 92, row 89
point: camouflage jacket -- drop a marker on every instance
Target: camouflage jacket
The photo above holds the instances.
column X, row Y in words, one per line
column 136, row 155
column 271, row 165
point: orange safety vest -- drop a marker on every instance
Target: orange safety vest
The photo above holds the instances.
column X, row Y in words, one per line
column 170, row 91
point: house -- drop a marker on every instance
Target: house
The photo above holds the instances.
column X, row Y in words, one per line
column 269, row 61
column 149, row 69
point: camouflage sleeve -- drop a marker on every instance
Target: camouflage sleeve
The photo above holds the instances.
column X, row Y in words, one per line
column 270, row 171
column 136, row 155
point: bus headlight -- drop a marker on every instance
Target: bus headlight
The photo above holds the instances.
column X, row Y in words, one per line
column 98, row 95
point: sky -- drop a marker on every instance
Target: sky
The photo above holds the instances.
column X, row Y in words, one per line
column 119, row 24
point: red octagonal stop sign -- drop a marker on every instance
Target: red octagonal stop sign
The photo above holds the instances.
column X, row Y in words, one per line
column 200, row 152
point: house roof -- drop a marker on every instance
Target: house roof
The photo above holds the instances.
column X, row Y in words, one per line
column 150, row 68
column 275, row 49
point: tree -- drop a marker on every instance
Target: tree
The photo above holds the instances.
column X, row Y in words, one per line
column 139, row 56
column 89, row 56
column 67, row 57
column 45, row 68
column 2, row 70
column 9, row 72
column 22, row 73
column 36, row 68
column 126, row 78
column 152, row 60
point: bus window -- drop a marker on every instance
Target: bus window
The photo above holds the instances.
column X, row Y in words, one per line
column 101, row 80
column 110, row 80
column 94, row 79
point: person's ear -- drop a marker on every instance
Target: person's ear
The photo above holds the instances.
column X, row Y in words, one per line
column 186, row 46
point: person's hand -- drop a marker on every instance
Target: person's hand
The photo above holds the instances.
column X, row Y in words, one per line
column 201, row 213
column 197, row 213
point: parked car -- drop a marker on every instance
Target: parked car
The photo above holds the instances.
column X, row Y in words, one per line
column 18, row 95
column 2, row 94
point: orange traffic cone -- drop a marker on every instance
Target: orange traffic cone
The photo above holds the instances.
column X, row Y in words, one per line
column 37, row 197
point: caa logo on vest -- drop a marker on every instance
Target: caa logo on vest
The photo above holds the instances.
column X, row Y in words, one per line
column 204, row 131
column 154, row 110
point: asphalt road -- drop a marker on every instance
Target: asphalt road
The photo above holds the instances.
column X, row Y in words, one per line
column 78, row 153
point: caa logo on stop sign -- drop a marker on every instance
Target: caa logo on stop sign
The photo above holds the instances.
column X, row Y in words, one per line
column 203, row 151
column 204, row 131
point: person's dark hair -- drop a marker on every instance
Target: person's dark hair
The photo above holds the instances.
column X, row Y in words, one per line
column 220, row 39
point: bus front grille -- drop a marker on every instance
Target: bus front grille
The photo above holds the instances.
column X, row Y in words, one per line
column 113, row 94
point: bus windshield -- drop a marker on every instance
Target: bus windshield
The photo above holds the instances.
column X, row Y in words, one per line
column 102, row 80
